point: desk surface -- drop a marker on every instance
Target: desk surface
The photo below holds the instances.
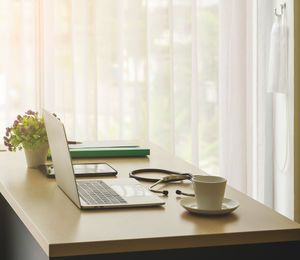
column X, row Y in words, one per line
column 62, row 229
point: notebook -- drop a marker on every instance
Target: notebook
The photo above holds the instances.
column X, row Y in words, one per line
column 92, row 193
column 116, row 148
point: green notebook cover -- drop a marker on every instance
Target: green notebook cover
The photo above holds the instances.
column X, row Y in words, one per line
column 109, row 152
column 110, row 148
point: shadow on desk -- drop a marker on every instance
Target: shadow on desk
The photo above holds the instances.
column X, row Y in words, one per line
column 14, row 235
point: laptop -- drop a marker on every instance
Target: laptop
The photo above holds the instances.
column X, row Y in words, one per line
column 92, row 193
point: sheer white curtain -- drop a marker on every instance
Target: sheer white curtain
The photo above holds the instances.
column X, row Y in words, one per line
column 283, row 115
column 256, row 138
column 116, row 69
column 18, row 59
column 232, row 93
column 273, row 120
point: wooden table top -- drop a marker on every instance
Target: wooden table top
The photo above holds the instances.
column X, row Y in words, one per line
column 62, row 229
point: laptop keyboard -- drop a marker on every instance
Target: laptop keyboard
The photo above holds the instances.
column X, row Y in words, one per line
column 98, row 192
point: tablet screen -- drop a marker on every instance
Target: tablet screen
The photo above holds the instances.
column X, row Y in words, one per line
column 84, row 170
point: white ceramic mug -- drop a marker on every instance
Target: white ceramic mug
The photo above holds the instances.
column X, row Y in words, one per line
column 209, row 191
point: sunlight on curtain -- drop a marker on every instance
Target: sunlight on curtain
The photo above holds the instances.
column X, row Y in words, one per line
column 116, row 69
column 136, row 69
column 275, row 162
column 233, row 88
column 17, row 59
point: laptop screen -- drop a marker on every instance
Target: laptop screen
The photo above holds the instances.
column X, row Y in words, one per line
column 62, row 163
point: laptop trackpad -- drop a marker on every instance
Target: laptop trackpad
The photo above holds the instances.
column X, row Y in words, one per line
column 131, row 190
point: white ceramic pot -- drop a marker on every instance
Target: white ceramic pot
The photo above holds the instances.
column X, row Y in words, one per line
column 37, row 157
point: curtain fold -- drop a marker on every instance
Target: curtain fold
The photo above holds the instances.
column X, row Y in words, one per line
column 264, row 117
column 232, row 93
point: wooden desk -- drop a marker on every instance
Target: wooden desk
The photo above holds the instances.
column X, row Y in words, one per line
column 59, row 229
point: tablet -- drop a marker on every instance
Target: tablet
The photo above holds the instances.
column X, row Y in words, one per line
column 83, row 170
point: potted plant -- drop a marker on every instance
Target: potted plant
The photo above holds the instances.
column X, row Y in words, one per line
column 28, row 132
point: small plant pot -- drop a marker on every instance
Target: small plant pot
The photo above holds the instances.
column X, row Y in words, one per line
column 37, row 157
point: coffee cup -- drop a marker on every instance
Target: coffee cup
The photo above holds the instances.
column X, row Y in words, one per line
column 209, row 191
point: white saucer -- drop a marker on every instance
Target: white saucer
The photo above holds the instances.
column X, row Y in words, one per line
column 228, row 206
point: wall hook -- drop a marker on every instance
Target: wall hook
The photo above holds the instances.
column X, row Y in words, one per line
column 282, row 6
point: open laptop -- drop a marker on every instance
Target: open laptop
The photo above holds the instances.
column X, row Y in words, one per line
column 92, row 193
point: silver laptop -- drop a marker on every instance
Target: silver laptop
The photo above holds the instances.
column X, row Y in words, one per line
column 92, row 193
